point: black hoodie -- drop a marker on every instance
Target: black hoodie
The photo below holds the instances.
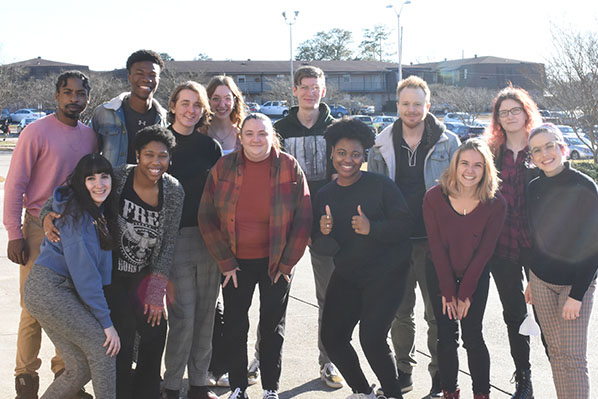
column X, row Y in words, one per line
column 308, row 146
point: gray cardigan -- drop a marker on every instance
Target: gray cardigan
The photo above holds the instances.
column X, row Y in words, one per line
column 170, row 217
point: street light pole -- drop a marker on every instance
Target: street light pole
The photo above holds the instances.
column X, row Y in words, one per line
column 290, row 20
column 400, row 38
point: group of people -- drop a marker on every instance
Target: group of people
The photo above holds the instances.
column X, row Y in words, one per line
column 139, row 221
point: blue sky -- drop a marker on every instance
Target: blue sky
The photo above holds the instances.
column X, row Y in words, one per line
column 103, row 34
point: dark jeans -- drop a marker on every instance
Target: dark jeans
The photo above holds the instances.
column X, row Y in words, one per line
column 478, row 357
column 124, row 298
column 219, row 353
column 373, row 304
column 508, row 277
column 274, row 299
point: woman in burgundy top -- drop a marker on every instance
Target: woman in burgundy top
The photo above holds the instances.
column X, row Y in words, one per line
column 463, row 215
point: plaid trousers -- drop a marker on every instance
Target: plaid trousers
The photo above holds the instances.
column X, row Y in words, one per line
column 567, row 339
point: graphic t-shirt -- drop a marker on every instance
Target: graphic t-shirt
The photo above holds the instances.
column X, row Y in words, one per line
column 139, row 226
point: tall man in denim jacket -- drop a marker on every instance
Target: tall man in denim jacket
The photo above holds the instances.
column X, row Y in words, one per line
column 414, row 152
column 117, row 122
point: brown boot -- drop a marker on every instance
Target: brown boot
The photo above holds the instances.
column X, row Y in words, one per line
column 26, row 386
column 481, row 396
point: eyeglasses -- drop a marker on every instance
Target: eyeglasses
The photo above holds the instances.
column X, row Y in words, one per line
column 548, row 147
column 513, row 111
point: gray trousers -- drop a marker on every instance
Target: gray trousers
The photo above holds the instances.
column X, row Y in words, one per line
column 52, row 299
column 403, row 327
column 323, row 266
column 195, row 283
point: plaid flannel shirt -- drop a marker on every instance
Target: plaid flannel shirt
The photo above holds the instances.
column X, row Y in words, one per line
column 290, row 211
column 515, row 233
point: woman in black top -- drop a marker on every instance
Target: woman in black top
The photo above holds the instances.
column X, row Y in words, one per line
column 362, row 220
column 563, row 214
column 194, row 276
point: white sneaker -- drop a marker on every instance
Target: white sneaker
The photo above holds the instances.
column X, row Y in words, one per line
column 330, row 375
column 370, row 395
column 270, row 394
column 211, row 381
column 238, row 394
column 222, row 381
column 253, row 372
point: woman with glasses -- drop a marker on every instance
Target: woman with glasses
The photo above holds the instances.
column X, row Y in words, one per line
column 255, row 217
column 563, row 214
column 463, row 215
column 228, row 111
column 514, row 113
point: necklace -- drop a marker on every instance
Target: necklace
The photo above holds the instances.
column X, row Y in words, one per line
column 221, row 140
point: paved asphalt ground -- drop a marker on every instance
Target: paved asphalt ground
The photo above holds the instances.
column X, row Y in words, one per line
column 300, row 376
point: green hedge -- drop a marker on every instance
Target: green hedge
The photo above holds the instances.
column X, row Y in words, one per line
column 587, row 167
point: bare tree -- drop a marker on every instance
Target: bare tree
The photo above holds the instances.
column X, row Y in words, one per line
column 278, row 89
column 372, row 45
column 572, row 80
column 469, row 101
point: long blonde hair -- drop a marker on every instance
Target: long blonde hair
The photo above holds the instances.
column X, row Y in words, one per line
column 488, row 185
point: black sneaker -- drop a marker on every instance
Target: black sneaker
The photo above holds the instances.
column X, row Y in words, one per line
column 26, row 386
column 405, row 382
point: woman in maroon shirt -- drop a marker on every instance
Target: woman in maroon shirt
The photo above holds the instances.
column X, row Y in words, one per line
column 463, row 215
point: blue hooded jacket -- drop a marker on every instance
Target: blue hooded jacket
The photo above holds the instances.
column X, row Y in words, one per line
column 78, row 256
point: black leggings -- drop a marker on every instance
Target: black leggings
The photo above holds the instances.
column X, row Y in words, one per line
column 373, row 304
column 126, row 310
column 478, row 357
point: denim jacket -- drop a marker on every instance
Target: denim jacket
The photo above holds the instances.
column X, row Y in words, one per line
column 381, row 158
column 111, row 130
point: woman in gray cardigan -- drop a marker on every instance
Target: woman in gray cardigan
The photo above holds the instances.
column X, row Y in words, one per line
column 149, row 211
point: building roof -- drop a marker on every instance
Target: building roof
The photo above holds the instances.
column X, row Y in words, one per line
column 456, row 64
column 44, row 63
column 276, row 67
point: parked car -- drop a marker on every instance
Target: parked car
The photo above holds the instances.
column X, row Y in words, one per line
column 253, row 107
column 368, row 120
column 275, row 108
column 380, row 122
column 338, row 111
column 367, row 110
column 5, row 115
column 464, row 131
column 24, row 122
column 566, row 130
column 577, row 148
column 20, row 114
column 459, row 117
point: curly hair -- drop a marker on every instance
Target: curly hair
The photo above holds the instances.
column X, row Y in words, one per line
column 145, row 55
column 349, row 128
column 62, row 80
column 238, row 113
column 154, row 133
column 495, row 134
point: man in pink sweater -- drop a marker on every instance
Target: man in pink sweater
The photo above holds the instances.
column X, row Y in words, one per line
column 46, row 153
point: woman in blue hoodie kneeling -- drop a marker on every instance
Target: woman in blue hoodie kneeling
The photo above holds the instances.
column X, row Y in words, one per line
column 64, row 291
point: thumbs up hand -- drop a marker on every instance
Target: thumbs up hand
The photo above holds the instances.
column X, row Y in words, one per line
column 360, row 222
column 326, row 222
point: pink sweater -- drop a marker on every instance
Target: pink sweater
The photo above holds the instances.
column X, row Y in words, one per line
column 46, row 153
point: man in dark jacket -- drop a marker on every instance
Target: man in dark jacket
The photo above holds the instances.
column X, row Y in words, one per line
column 303, row 133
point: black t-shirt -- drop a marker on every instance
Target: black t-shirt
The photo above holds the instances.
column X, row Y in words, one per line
column 135, row 122
column 409, row 176
column 361, row 257
column 139, row 226
column 192, row 158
